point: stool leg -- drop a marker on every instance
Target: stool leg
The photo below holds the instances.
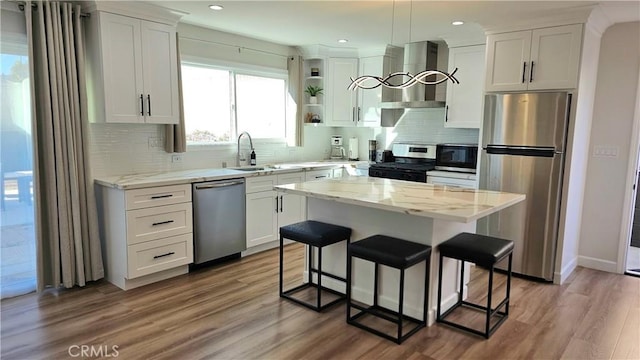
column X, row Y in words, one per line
column 310, row 263
column 400, row 303
column 427, row 273
column 375, row 284
column 506, row 310
column 439, row 288
column 488, row 320
column 319, row 276
column 348, row 283
column 281, row 264
column 461, row 280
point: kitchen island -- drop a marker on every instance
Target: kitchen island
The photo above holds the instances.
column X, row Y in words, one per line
column 418, row 212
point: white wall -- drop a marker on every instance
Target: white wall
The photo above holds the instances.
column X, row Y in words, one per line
column 613, row 115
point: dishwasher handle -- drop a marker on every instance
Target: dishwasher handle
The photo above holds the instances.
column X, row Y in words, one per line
column 219, row 184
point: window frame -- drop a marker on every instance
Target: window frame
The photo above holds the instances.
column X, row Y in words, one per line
column 239, row 69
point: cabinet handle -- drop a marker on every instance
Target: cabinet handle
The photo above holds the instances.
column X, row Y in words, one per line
column 353, row 114
column 358, row 114
column 321, row 176
column 531, row 72
column 276, row 204
column 446, row 113
column 163, row 255
column 161, row 196
column 281, row 202
column 149, row 101
column 524, row 70
column 141, row 105
column 162, row 223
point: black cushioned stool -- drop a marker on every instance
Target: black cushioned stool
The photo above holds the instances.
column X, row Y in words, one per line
column 484, row 251
column 315, row 234
column 395, row 253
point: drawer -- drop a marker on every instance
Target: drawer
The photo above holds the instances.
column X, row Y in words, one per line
column 158, row 222
column 318, row 174
column 153, row 256
column 260, row 183
column 156, row 196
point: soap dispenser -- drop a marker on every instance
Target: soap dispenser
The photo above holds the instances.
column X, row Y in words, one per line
column 252, row 160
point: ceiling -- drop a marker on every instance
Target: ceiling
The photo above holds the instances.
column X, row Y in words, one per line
column 368, row 24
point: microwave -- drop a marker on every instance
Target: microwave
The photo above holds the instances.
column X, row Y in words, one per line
column 457, row 157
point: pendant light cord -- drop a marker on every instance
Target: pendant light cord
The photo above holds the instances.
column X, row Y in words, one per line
column 410, row 18
column 393, row 18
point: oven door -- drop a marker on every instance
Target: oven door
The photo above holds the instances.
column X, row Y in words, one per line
column 457, row 157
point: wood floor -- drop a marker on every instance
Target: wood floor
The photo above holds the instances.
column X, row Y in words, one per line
column 233, row 312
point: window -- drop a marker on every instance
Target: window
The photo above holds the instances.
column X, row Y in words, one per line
column 221, row 103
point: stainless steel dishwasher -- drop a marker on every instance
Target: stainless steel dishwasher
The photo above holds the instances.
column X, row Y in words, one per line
column 218, row 219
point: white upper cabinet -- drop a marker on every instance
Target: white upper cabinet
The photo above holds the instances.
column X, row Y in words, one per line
column 464, row 100
column 340, row 101
column 133, row 70
column 540, row 59
column 369, row 111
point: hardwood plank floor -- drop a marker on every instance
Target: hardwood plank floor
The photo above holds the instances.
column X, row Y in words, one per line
column 232, row 311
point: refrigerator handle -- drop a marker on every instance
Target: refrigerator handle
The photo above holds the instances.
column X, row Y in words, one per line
column 542, row 151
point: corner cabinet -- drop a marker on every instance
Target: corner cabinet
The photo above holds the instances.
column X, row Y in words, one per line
column 464, row 100
column 539, row 59
column 147, row 234
column 132, row 70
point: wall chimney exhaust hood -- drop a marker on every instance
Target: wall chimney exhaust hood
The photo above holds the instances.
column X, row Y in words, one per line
column 418, row 57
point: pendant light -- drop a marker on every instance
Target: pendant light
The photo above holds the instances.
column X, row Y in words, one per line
column 413, row 79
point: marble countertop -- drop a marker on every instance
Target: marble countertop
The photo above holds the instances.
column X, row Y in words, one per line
column 164, row 178
column 434, row 201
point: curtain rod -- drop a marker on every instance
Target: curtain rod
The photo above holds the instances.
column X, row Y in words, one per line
column 22, row 4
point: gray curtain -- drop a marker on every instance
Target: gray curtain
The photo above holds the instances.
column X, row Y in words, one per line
column 67, row 238
column 295, row 69
column 175, row 137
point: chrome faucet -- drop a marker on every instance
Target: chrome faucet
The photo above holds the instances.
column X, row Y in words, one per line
column 238, row 157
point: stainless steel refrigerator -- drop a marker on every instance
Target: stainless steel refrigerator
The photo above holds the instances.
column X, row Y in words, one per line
column 523, row 149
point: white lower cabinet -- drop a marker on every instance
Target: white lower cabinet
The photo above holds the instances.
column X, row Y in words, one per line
column 267, row 209
column 147, row 233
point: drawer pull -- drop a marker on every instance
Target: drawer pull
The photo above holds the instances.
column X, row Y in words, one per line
column 163, row 255
column 161, row 196
column 162, row 223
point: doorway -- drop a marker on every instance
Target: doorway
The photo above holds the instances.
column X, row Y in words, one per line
column 633, row 253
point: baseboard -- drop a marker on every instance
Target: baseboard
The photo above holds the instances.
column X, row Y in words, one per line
column 560, row 277
column 597, row 264
column 263, row 247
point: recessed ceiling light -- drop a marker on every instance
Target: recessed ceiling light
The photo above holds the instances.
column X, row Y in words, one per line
column 342, row 41
column 216, row 7
column 457, row 22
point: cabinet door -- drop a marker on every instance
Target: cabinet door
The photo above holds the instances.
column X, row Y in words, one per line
column 508, row 61
column 160, row 73
column 122, row 68
column 292, row 207
column 262, row 218
column 555, row 55
column 369, row 100
column 341, row 102
column 464, row 100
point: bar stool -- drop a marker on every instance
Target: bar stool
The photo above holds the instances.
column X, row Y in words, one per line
column 314, row 234
column 398, row 254
column 484, row 251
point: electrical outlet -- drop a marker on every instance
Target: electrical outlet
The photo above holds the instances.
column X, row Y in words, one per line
column 155, row 142
column 175, row 158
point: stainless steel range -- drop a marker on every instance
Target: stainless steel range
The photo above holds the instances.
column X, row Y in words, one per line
column 412, row 161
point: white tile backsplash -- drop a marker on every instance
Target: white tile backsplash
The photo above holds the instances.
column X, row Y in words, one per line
column 120, row 149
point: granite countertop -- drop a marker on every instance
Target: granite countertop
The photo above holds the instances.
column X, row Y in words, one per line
column 434, row 201
column 137, row 181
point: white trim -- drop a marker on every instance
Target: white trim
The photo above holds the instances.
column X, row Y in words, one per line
column 597, row 264
column 560, row 277
column 629, row 197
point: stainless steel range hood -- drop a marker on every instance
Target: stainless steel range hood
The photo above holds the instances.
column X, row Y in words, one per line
column 418, row 56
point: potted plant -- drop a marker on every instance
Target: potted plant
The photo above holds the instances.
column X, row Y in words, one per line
column 313, row 92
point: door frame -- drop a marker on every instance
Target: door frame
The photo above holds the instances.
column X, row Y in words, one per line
column 629, row 198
